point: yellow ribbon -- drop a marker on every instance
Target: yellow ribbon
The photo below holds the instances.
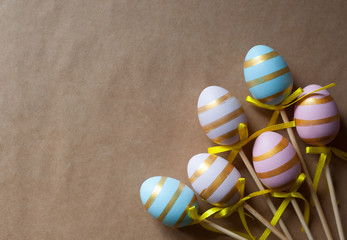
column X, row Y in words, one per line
column 227, row 211
column 325, row 157
column 288, row 101
column 244, row 139
column 287, row 198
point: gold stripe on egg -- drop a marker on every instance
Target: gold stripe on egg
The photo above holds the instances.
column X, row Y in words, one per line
column 214, row 103
column 259, row 59
column 272, row 97
column 277, row 171
column 171, row 202
column 302, row 122
column 223, row 120
column 185, row 212
column 313, row 101
column 279, row 147
column 228, row 196
column 204, row 166
column 286, row 185
column 268, row 77
column 155, row 192
column 206, row 193
column 320, row 140
column 227, row 135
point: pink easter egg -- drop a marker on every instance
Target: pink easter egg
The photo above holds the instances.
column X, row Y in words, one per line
column 275, row 161
column 316, row 117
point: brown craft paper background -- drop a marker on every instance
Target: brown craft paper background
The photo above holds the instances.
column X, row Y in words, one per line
column 97, row 96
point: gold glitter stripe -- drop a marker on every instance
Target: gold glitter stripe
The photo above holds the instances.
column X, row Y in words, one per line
column 226, row 136
column 204, row 166
column 313, row 101
column 230, row 194
column 214, row 103
column 320, row 140
column 155, row 192
column 206, row 193
column 171, row 202
column 288, row 165
column 301, row 122
column 268, row 77
column 259, row 59
column 223, row 120
column 272, row 97
column 279, row 147
column 286, row 185
column 185, row 212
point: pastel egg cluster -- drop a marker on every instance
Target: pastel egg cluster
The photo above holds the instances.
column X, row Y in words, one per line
column 275, row 161
column 316, row 117
column 214, row 179
column 168, row 200
column 220, row 114
column 267, row 75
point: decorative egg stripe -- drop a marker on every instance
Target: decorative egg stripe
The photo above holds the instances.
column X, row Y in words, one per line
column 226, row 136
column 268, row 77
column 185, row 212
column 171, row 202
column 320, row 140
column 223, row 120
column 259, row 59
column 277, row 171
column 286, row 185
column 229, row 195
column 314, row 101
column 214, row 103
column 206, row 193
column 204, row 166
column 272, row 97
column 302, row 122
column 279, row 147
column 155, row 192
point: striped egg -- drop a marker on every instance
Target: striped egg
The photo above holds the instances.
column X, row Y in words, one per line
column 220, row 115
column 267, row 75
column 214, row 179
column 168, row 200
column 316, row 117
column 275, row 161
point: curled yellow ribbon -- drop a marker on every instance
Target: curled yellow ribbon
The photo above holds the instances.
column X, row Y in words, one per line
column 244, row 139
column 287, row 197
column 325, row 157
column 288, row 101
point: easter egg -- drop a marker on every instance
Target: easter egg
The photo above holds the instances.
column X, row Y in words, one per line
column 220, row 114
column 275, row 161
column 214, row 179
column 168, row 200
column 267, row 75
column 316, row 117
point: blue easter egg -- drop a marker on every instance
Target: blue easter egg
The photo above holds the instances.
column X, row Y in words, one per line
column 168, row 200
column 267, row 75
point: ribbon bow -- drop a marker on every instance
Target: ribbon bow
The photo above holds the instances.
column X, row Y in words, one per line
column 288, row 101
column 325, row 157
column 244, row 139
column 287, row 198
column 227, row 211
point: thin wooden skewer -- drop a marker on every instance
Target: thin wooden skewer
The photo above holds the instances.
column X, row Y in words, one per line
column 261, row 219
column 308, row 177
column 301, row 218
column 223, row 230
column 261, row 187
column 333, row 202
column 293, row 201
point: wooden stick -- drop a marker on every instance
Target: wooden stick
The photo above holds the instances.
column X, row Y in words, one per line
column 333, row 202
column 223, row 230
column 301, row 218
column 266, row 223
column 308, row 178
column 261, row 187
